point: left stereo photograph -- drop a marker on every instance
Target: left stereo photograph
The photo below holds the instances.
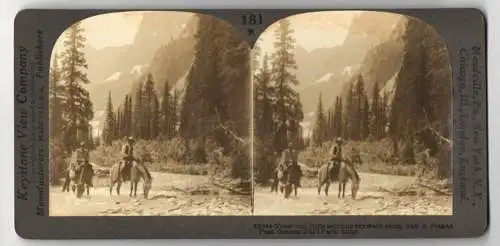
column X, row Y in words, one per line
column 149, row 115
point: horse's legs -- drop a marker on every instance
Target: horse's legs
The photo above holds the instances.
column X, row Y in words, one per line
column 88, row 192
column 131, row 187
column 111, row 184
column 340, row 188
column 319, row 188
column 118, row 185
column 65, row 185
column 326, row 188
column 295, row 190
column 343, row 189
column 135, row 189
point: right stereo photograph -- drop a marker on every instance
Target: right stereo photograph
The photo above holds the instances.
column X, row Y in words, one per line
column 351, row 116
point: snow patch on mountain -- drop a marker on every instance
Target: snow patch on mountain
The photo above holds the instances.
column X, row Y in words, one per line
column 138, row 69
column 324, row 78
column 113, row 77
column 390, row 88
column 347, row 71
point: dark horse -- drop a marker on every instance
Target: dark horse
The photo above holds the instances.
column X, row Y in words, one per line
column 81, row 179
column 329, row 173
column 292, row 179
column 136, row 171
column 287, row 180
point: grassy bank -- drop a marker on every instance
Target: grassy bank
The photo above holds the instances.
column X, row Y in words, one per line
column 166, row 156
column 376, row 158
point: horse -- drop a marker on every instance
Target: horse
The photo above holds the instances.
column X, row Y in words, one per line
column 276, row 180
column 286, row 180
column 292, row 179
column 81, row 179
column 329, row 173
column 136, row 171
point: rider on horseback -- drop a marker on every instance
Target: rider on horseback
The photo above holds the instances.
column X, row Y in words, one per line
column 288, row 158
column 128, row 157
column 337, row 154
column 82, row 160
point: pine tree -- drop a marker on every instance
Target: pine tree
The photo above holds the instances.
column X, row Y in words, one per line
column 166, row 114
column 383, row 115
column 255, row 54
column 76, row 105
column 340, row 126
column 350, row 117
column 147, row 106
column 336, row 118
column 174, row 115
column 284, row 79
column 366, row 118
column 155, row 117
column 375, row 114
column 137, row 113
column 108, row 134
column 129, row 119
column 319, row 132
column 56, row 97
column 56, row 121
column 359, row 96
column 263, row 103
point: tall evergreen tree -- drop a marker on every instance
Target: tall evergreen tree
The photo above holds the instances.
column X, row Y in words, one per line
column 287, row 99
column 129, row 119
column 56, row 97
column 56, row 121
column 138, row 117
column 350, row 117
column 263, row 111
column 147, row 106
column 77, row 105
column 337, row 119
column 174, row 113
column 365, row 118
column 166, row 112
column 375, row 114
column 155, row 118
column 109, row 125
column 339, row 125
column 319, row 132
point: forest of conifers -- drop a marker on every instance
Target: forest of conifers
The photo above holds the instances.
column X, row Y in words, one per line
column 214, row 107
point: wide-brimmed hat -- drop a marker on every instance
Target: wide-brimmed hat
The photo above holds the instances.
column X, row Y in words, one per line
column 131, row 139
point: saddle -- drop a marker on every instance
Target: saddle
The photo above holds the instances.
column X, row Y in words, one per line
column 125, row 168
column 333, row 170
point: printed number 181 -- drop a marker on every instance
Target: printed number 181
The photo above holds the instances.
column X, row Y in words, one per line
column 252, row 19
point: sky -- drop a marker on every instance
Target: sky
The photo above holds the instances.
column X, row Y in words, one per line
column 322, row 29
column 108, row 30
column 311, row 31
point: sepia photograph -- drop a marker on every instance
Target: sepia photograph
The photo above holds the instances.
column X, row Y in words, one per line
column 351, row 116
column 150, row 115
